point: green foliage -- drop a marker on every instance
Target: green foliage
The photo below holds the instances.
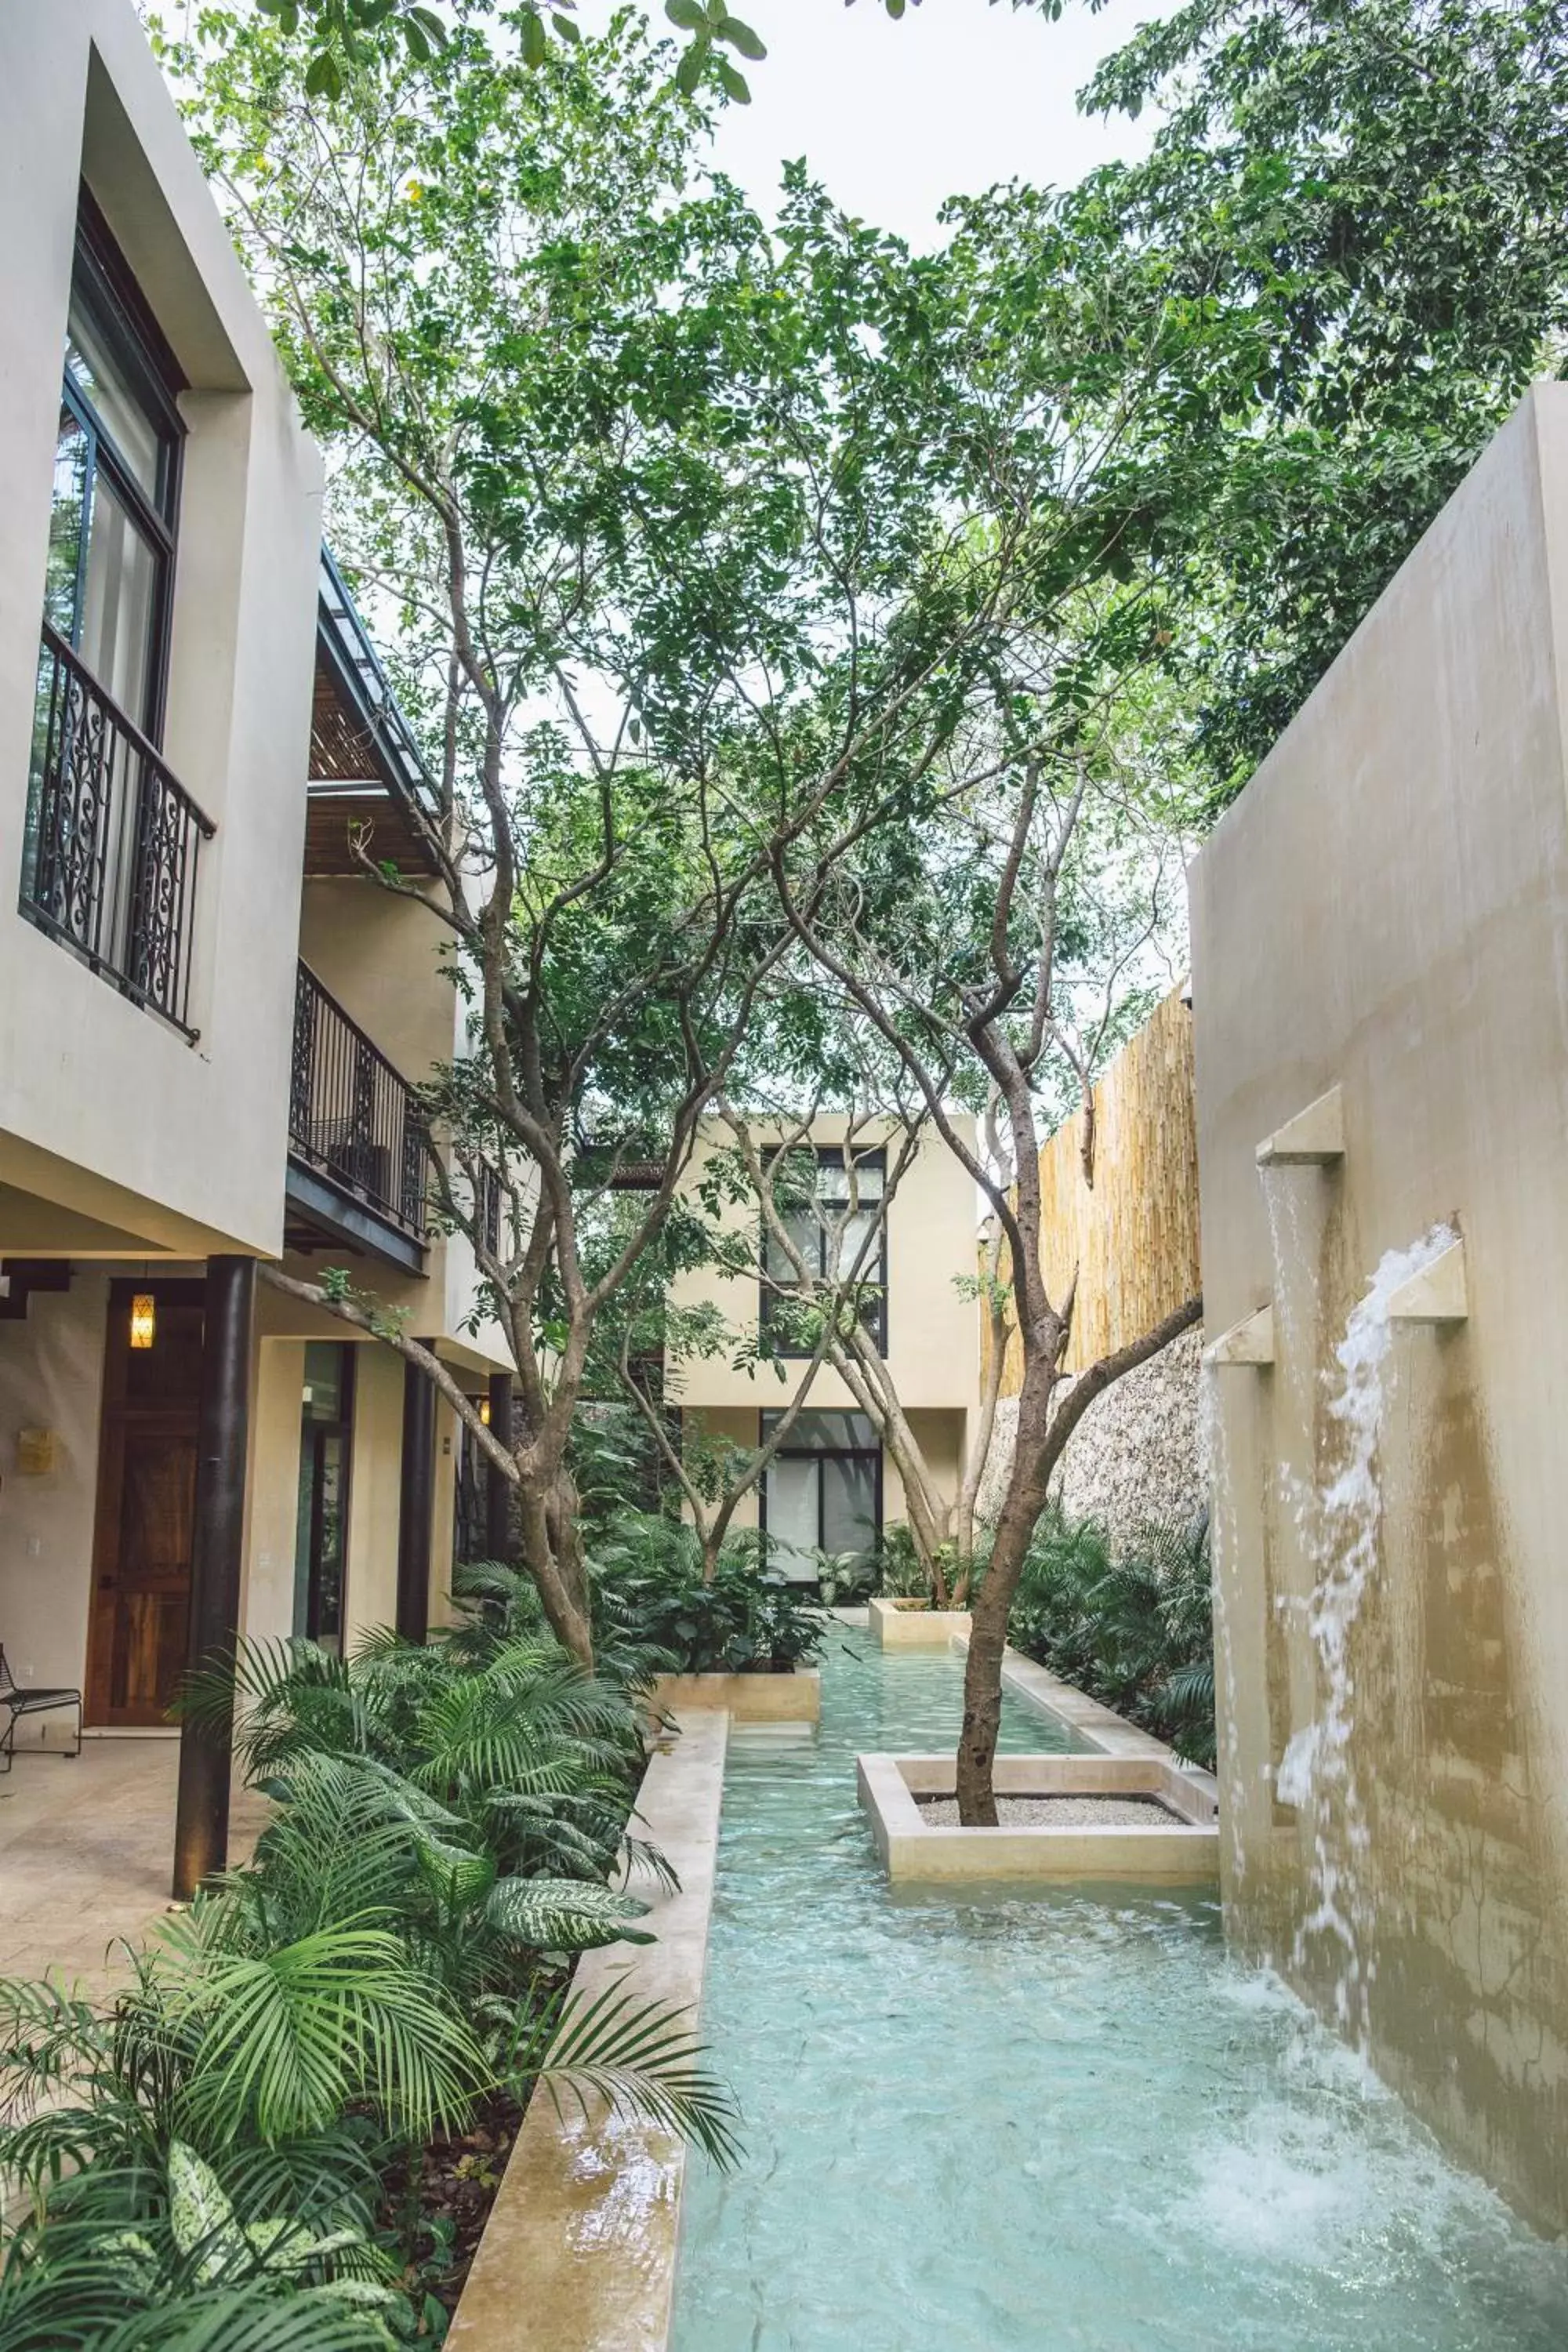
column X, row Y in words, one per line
column 649, row 1589
column 351, row 33
column 204, row 2151
column 343, row 38
column 901, row 1573
column 1380, row 191
column 1133, row 1629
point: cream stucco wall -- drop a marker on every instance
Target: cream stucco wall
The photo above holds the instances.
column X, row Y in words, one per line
column 272, row 1503
column 51, row 1378
column 103, row 1108
column 933, row 1331
column 1386, row 909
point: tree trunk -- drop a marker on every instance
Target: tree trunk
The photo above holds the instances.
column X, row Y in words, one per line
column 1034, row 1458
column 1042, row 1439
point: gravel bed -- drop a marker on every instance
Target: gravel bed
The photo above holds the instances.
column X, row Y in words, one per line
column 1054, row 1812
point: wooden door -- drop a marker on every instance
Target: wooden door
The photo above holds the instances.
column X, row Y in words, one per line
column 146, row 1498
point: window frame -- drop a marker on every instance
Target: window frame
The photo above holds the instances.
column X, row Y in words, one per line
column 828, row 1155
column 312, row 1433
column 102, row 283
column 874, row 1453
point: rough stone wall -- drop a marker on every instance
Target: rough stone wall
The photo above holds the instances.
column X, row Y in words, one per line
column 1136, row 1458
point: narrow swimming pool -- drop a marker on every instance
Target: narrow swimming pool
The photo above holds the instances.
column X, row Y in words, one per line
column 984, row 2121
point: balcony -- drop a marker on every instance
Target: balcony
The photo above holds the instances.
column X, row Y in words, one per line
column 358, row 1150
column 113, row 841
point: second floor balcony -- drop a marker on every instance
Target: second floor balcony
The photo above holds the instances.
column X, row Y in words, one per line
column 358, row 1148
column 113, row 840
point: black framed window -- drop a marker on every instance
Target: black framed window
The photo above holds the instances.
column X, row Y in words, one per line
column 326, row 1457
column 117, row 477
column 822, row 1491
column 470, row 1519
column 828, row 1231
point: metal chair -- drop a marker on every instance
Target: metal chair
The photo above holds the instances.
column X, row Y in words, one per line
column 24, row 1698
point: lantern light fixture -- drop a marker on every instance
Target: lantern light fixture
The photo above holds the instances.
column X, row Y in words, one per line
column 144, row 1320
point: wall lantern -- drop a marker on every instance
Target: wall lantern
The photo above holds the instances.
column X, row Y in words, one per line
column 144, row 1320
column 485, row 1410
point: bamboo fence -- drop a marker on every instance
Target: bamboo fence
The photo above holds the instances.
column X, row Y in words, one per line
column 1132, row 1235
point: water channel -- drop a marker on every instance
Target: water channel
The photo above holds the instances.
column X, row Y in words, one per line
column 1053, row 2122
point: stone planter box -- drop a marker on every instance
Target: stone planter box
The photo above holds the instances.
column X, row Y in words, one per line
column 1181, row 1844
column 795, row 1698
column 908, row 1625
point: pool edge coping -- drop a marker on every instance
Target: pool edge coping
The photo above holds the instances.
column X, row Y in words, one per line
column 579, row 2251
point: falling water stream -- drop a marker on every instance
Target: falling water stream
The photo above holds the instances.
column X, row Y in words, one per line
column 1054, row 2120
column 1340, row 1518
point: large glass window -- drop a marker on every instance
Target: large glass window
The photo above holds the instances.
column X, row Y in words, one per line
column 326, row 1452
column 837, row 1230
column 111, row 532
column 822, row 1491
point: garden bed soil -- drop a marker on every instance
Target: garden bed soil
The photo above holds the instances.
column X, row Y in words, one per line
column 457, row 2186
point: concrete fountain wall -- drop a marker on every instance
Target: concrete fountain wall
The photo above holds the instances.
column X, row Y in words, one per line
column 1384, row 911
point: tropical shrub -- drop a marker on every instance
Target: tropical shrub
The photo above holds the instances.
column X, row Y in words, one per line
column 206, row 2157
column 1133, row 1629
column 650, row 1596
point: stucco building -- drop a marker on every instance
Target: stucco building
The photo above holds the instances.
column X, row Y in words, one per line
column 209, row 1019
column 834, row 1486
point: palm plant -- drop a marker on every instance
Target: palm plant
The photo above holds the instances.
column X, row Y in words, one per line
column 1133, row 1628
column 203, row 2156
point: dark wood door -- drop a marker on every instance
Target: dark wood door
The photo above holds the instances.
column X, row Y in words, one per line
column 146, row 1497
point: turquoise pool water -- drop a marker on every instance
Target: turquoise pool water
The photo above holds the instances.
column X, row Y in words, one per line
column 1062, row 2122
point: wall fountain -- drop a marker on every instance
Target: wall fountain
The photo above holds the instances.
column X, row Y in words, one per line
column 1379, row 993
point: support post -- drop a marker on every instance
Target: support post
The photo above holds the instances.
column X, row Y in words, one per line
column 498, row 1489
column 415, row 1503
column 223, row 1438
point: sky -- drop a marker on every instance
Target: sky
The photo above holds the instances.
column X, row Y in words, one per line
column 894, row 118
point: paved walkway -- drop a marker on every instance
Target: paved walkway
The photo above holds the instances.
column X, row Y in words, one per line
column 86, row 1851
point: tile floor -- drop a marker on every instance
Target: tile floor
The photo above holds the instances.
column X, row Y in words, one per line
column 86, row 1848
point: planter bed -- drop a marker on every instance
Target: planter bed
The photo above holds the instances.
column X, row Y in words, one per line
column 910, row 1625
column 1174, row 1835
column 795, row 1698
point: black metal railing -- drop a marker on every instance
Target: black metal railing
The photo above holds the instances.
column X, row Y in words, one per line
column 352, row 1116
column 113, row 839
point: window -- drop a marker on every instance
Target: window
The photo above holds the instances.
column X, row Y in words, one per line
column 822, row 1491
column 829, row 1234
column 111, row 528
column 112, row 839
column 326, row 1449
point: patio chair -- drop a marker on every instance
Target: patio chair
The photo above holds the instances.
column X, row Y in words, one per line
column 23, row 1698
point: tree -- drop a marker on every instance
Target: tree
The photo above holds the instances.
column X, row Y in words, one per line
column 350, row 37
column 978, row 976
column 1388, row 181
column 699, row 542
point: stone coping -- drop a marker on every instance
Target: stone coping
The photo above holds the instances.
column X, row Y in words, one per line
column 795, row 1698
column 579, row 2251
column 898, row 1625
column 1184, row 1848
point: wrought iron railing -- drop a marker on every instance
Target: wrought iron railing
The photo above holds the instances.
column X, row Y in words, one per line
column 113, row 839
column 352, row 1116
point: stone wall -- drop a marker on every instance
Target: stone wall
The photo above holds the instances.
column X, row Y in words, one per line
column 1137, row 1457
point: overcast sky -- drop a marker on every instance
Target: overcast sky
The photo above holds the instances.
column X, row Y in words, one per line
column 895, row 117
